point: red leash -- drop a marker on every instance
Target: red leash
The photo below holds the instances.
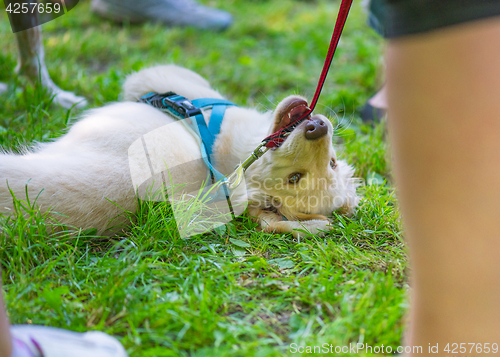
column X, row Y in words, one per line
column 276, row 139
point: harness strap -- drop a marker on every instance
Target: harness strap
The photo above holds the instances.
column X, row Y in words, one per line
column 208, row 133
column 207, row 102
column 182, row 108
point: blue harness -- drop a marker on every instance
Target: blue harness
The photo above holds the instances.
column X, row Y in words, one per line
column 182, row 108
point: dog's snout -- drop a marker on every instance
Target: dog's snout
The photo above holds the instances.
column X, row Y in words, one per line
column 315, row 129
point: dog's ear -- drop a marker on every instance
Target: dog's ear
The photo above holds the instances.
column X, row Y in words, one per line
column 350, row 204
column 350, row 185
column 290, row 109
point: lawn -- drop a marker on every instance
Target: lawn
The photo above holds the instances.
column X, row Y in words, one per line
column 237, row 291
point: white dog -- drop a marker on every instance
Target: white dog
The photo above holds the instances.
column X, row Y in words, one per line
column 85, row 174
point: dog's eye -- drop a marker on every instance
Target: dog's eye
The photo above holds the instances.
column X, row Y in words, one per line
column 294, row 178
column 333, row 163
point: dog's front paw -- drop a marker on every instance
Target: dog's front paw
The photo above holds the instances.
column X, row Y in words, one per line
column 300, row 229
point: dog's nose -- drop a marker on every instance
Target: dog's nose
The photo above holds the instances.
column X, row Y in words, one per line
column 315, row 129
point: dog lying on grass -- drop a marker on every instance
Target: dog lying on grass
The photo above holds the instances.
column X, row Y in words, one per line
column 85, row 175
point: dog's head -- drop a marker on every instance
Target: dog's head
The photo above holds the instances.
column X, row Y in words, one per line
column 302, row 179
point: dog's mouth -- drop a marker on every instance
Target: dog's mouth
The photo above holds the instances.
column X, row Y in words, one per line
column 294, row 111
column 291, row 117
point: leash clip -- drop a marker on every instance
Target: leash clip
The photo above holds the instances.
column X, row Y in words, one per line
column 235, row 178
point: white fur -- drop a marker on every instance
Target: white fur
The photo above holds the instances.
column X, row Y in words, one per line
column 85, row 174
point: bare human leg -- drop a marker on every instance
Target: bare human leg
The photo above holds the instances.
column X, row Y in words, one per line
column 444, row 120
column 5, row 337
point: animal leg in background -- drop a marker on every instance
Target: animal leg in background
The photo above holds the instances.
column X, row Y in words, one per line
column 31, row 62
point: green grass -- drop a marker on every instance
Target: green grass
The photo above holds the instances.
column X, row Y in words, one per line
column 234, row 292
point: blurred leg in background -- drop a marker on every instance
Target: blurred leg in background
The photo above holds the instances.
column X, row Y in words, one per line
column 31, row 64
column 31, row 56
column 169, row 12
column 375, row 108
